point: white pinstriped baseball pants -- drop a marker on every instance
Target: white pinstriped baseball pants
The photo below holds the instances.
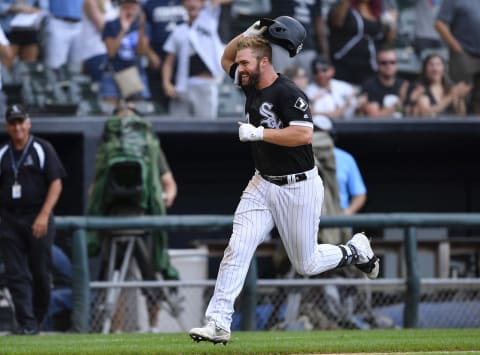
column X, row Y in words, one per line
column 295, row 210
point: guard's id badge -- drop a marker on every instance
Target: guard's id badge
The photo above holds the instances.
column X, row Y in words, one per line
column 16, row 190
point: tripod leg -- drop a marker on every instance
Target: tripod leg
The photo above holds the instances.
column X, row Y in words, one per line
column 127, row 258
column 110, row 305
column 112, row 259
column 152, row 295
column 112, row 275
column 113, row 294
column 159, row 297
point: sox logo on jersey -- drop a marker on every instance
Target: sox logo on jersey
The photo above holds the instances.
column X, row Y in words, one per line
column 270, row 120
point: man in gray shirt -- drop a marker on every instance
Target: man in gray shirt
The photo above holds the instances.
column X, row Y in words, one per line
column 458, row 23
column 426, row 37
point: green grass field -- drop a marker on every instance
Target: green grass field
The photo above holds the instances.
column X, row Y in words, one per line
column 425, row 341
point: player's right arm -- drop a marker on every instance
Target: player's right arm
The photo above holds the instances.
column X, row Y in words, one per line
column 230, row 51
column 229, row 54
column 291, row 136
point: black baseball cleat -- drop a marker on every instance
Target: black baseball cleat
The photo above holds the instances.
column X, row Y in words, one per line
column 210, row 332
column 367, row 262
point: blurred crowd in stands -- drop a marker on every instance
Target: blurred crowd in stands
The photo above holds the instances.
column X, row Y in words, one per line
column 375, row 58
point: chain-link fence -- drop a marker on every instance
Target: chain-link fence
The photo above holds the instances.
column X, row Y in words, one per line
column 289, row 304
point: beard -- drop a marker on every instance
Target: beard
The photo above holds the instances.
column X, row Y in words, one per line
column 253, row 78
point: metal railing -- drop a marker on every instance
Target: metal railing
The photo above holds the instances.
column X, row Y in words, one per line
column 410, row 221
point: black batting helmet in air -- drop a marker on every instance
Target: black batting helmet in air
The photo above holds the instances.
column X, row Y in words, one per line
column 285, row 31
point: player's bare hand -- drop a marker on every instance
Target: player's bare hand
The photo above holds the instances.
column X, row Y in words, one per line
column 255, row 30
column 40, row 226
column 249, row 133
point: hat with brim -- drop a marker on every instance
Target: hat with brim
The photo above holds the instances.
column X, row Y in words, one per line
column 15, row 112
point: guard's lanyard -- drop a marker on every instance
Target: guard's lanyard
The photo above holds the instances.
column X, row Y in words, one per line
column 16, row 164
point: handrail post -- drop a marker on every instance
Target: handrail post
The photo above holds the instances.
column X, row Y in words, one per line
column 81, row 282
column 412, row 297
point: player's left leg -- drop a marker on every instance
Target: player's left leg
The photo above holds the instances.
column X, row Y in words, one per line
column 251, row 225
column 366, row 260
column 296, row 213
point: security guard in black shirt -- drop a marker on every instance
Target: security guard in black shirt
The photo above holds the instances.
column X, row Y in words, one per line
column 30, row 185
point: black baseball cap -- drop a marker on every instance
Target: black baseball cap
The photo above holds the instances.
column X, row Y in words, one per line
column 15, row 112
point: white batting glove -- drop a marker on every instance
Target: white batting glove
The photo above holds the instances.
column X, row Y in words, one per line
column 255, row 30
column 249, row 133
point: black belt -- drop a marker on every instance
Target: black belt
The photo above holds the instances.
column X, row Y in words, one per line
column 68, row 19
column 283, row 180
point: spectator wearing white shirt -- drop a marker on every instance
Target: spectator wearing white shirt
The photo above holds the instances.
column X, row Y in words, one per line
column 196, row 49
column 61, row 60
column 330, row 97
column 64, row 25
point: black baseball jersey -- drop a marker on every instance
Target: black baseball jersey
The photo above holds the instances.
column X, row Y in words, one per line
column 280, row 105
column 40, row 167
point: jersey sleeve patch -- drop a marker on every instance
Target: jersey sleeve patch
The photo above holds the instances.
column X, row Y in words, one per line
column 301, row 104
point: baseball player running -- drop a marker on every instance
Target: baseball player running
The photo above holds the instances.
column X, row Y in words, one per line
column 286, row 190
